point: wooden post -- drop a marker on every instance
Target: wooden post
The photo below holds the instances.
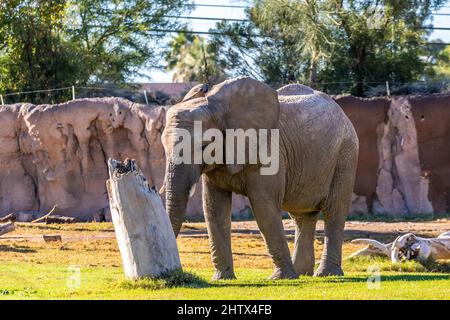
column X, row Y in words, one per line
column 73, row 92
column 1, row 100
column 7, row 227
column 144, row 233
column 388, row 90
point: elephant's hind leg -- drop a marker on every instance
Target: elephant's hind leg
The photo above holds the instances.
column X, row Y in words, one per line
column 305, row 229
column 335, row 212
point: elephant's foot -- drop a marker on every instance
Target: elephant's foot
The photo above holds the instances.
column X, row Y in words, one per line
column 223, row 275
column 287, row 273
column 306, row 272
column 329, row 269
column 304, row 268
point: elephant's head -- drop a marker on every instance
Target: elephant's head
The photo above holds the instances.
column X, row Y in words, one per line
column 240, row 103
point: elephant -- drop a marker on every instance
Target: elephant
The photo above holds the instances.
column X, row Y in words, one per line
column 318, row 154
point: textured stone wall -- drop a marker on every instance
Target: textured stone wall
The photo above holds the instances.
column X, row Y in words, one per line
column 56, row 154
column 404, row 160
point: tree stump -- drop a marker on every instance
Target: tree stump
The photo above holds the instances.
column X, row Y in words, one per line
column 144, row 233
column 7, row 227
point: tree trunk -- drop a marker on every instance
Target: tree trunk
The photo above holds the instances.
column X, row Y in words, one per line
column 7, row 227
column 144, row 234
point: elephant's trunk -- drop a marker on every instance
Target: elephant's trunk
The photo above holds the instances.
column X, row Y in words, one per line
column 177, row 183
column 176, row 208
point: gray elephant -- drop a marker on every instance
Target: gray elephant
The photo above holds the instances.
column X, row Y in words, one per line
column 318, row 149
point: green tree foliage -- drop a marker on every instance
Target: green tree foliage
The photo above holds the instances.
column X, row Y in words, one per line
column 194, row 60
column 439, row 63
column 333, row 45
column 57, row 43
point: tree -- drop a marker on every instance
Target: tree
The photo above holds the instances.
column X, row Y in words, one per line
column 327, row 43
column 34, row 54
column 304, row 25
column 193, row 60
column 438, row 57
column 58, row 43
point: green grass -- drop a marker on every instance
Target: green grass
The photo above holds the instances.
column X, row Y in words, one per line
column 32, row 269
column 53, row 281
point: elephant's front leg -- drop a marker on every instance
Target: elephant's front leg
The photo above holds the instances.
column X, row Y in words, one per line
column 268, row 217
column 217, row 209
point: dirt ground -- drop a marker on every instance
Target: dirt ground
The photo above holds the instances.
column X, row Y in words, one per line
column 382, row 231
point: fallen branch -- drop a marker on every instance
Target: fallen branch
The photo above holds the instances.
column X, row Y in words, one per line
column 8, row 218
column 45, row 216
column 7, row 227
column 59, row 219
column 373, row 247
column 408, row 247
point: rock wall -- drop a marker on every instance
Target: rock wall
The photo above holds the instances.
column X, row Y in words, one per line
column 56, row 154
column 404, row 160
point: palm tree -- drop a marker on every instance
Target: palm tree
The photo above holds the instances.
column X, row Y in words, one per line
column 193, row 60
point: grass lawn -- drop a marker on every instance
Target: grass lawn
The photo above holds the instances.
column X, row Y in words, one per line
column 86, row 265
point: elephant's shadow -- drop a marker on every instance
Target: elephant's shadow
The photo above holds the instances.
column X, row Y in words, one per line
column 302, row 281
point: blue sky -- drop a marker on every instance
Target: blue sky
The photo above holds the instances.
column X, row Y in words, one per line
column 238, row 13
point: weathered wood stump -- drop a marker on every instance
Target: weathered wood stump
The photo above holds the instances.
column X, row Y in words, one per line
column 144, row 234
column 51, row 237
column 7, row 227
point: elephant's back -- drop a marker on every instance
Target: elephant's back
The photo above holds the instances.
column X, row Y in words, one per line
column 314, row 113
column 294, row 90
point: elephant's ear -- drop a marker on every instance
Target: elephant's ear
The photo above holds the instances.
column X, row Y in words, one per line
column 197, row 91
column 243, row 103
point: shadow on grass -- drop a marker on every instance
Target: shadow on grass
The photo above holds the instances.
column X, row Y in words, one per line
column 320, row 281
column 189, row 280
column 18, row 249
column 234, row 253
column 435, row 266
column 414, row 277
column 176, row 279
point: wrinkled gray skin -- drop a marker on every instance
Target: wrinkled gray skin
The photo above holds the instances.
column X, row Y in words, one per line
column 318, row 157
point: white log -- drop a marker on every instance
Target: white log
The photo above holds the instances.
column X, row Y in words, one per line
column 412, row 247
column 408, row 247
column 144, row 233
column 373, row 248
column 7, row 227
